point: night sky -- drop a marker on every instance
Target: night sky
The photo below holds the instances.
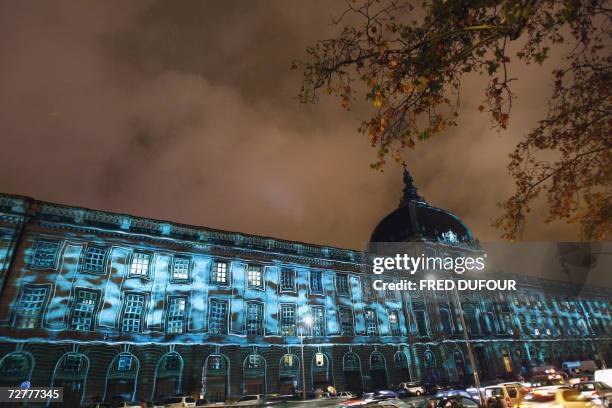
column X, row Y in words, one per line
column 187, row 111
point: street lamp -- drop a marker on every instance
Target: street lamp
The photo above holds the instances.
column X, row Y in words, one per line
column 306, row 322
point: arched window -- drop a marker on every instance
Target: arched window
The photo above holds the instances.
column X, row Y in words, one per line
column 377, row 361
column 168, row 375
column 400, row 360
column 255, row 374
column 471, row 318
column 446, row 321
column 215, row 378
column 70, row 373
column 289, row 365
column 350, row 362
column 16, row 367
column 122, row 376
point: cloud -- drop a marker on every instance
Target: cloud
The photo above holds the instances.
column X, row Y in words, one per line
column 188, row 113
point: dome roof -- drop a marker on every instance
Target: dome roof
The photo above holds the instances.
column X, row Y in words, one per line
column 416, row 220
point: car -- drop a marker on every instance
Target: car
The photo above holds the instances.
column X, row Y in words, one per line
column 510, row 394
column 370, row 397
column 180, row 401
column 596, row 390
column 129, row 404
column 548, row 380
column 571, row 398
column 252, row 399
column 413, row 388
column 347, row 395
column 456, row 401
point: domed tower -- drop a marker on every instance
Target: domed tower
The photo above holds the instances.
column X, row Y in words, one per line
column 417, row 221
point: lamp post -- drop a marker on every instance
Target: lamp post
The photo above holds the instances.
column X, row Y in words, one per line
column 305, row 323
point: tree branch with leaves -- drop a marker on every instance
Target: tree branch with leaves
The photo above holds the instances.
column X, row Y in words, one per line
column 408, row 60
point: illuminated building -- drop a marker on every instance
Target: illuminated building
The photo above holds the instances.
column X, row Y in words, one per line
column 107, row 304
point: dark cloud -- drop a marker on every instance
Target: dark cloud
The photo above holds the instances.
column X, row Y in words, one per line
column 187, row 111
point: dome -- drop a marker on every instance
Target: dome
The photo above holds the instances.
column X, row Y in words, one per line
column 416, row 220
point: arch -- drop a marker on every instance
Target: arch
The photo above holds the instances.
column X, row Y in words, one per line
column 122, row 376
column 400, row 361
column 378, row 370
column 70, row 373
column 289, row 374
column 321, row 371
column 254, row 370
column 16, row 367
column 351, row 367
column 216, row 378
column 429, row 364
column 460, row 365
column 445, row 320
column 168, row 377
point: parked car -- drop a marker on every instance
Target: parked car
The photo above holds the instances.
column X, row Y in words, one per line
column 252, row 400
column 598, row 391
column 179, row 402
column 456, row 401
column 346, row 395
column 370, row 397
column 128, row 404
column 413, row 388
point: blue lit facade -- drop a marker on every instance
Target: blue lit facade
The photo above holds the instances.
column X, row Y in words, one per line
column 106, row 304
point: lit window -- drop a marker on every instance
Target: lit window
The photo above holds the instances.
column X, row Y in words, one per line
column 217, row 321
column 254, row 318
column 255, row 276
column 394, row 323
column 175, row 320
column 371, row 323
column 254, row 362
column 93, row 260
column 72, row 363
column 83, row 311
column 316, row 282
column 180, row 268
column 366, row 288
column 287, row 280
column 30, row 306
column 318, row 321
column 219, row 274
column 45, row 254
column 124, row 362
column 342, row 284
column 132, row 313
column 345, row 316
column 288, row 320
column 140, row 264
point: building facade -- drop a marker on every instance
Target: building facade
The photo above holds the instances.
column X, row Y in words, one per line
column 109, row 305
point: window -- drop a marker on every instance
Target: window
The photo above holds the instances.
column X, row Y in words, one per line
column 288, row 320
column 254, row 362
column 171, row 362
column 83, row 310
column 390, row 294
column 377, row 361
column 219, row 275
column 287, row 280
column 132, row 313
column 342, row 284
column 318, row 321
column 316, row 282
column 15, row 364
column 370, row 322
column 93, row 261
column 45, row 254
column 124, row 362
column 217, row 320
column 254, row 318
column 421, row 321
column 255, row 276
column 180, row 268
column 140, row 264
column 345, row 315
column 30, row 307
column 72, row 363
column 366, row 288
column 175, row 317
column 394, row 326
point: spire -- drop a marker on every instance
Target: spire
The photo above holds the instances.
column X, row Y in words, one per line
column 410, row 191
